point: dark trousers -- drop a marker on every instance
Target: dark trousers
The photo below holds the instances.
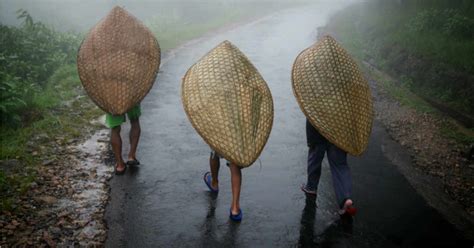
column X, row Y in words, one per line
column 341, row 173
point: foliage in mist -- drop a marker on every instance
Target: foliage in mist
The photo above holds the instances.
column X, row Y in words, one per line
column 29, row 55
column 427, row 44
column 449, row 22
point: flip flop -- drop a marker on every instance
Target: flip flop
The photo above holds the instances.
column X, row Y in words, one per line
column 133, row 162
column 348, row 209
column 208, row 179
column 307, row 191
column 118, row 173
column 236, row 217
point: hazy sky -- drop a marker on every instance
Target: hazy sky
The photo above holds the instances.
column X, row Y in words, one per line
column 80, row 15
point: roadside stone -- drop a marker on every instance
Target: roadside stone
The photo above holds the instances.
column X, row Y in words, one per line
column 10, row 227
column 33, row 185
column 48, row 239
column 10, row 165
column 431, row 151
column 46, row 199
column 55, row 231
column 48, row 214
column 47, row 162
column 41, row 137
column 89, row 232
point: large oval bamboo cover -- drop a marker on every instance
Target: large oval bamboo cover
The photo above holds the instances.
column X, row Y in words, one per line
column 334, row 95
column 118, row 62
column 229, row 104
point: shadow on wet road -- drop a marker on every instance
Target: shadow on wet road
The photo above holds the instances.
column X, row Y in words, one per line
column 164, row 202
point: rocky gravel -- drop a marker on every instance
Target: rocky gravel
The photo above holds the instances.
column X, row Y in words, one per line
column 431, row 151
column 66, row 203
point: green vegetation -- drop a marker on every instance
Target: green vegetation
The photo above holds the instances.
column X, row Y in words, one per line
column 29, row 55
column 400, row 92
column 43, row 105
column 39, row 86
column 428, row 45
column 453, row 131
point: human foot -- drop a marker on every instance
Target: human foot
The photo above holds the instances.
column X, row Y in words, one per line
column 209, row 183
column 236, row 215
column 308, row 191
column 348, row 209
column 120, row 169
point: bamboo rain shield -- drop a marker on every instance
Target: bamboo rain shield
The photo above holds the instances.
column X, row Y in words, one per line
column 118, row 62
column 229, row 104
column 334, row 95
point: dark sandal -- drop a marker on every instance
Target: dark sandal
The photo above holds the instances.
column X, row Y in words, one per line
column 236, row 217
column 133, row 162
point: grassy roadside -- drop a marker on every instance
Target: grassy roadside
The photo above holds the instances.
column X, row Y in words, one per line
column 368, row 36
column 439, row 145
column 426, row 46
column 62, row 118
column 449, row 128
column 55, row 112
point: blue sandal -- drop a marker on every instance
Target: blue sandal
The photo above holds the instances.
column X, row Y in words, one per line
column 208, row 180
column 236, row 217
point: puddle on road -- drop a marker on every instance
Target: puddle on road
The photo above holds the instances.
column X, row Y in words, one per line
column 89, row 177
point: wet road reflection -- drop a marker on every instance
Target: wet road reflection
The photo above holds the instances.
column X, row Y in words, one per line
column 164, row 202
column 210, row 227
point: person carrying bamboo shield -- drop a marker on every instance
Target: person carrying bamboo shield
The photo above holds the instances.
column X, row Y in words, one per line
column 336, row 100
column 231, row 107
column 118, row 62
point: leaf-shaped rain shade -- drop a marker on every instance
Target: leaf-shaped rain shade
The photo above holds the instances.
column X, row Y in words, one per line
column 229, row 104
column 334, row 95
column 118, row 62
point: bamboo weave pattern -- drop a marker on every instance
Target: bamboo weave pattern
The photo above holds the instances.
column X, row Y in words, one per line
column 229, row 104
column 334, row 95
column 118, row 62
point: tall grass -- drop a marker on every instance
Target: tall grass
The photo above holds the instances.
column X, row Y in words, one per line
column 430, row 43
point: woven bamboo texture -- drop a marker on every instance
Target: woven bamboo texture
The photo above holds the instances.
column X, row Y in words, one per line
column 118, row 62
column 334, row 95
column 229, row 104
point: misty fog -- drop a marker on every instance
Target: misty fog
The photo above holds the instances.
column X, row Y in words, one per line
column 76, row 15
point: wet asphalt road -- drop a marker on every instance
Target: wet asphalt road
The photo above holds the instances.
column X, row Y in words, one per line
column 164, row 202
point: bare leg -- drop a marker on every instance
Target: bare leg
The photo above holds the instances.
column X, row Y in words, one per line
column 134, row 136
column 236, row 179
column 214, row 163
column 116, row 142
